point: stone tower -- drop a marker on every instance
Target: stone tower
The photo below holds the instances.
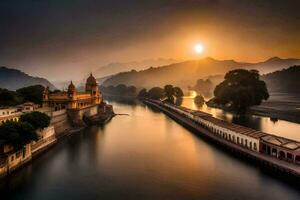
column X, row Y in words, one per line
column 72, row 93
column 45, row 96
column 93, row 88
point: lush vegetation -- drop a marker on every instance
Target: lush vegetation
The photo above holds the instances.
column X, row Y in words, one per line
column 156, row 93
column 199, row 100
column 119, row 90
column 284, row 81
column 17, row 134
column 240, row 90
column 168, row 93
column 11, row 98
column 31, row 93
column 205, row 87
column 37, row 119
column 171, row 92
column 22, row 132
column 143, row 93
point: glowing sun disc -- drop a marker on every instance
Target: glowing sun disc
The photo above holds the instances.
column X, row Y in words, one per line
column 198, row 48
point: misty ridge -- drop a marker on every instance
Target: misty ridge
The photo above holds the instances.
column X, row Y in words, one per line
column 186, row 74
column 116, row 67
column 13, row 79
column 200, row 75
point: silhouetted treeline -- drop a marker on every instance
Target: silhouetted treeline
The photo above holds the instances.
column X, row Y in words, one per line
column 204, row 87
column 284, row 81
column 22, row 132
column 31, row 93
column 240, row 89
column 168, row 93
column 119, row 90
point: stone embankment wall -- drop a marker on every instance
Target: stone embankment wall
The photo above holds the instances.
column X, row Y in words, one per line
column 60, row 122
column 11, row 159
column 47, row 138
column 76, row 116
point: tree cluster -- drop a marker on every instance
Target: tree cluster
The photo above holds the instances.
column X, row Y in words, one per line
column 204, row 87
column 240, row 90
column 23, row 132
column 31, row 93
column 199, row 100
column 168, row 93
column 119, row 90
column 37, row 119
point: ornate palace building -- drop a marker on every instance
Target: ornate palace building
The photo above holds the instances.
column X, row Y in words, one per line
column 72, row 99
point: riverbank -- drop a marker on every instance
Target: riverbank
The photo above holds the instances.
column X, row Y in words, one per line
column 61, row 125
column 285, row 110
column 282, row 106
column 145, row 155
column 266, row 162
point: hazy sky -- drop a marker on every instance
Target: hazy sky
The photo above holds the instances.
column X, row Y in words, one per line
column 64, row 39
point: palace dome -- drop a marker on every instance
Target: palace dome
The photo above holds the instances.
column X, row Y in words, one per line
column 71, row 87
column 91, row 80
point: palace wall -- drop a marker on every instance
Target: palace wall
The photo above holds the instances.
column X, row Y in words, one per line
column 61, row 122
column 77, row 115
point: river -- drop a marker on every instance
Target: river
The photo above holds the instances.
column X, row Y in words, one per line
column 142, row 155
column 281, row 128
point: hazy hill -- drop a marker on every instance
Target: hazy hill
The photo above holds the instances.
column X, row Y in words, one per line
column 187, row 73
column 13, row 79
column 117, row 67
column 284, row 81
column 274, row 64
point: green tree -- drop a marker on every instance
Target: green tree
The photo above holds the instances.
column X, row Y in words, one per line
column 9, row 98
column 17, row 134
column 131, row 90
column 156, row 93
column 240, row 90
column 37, row 119
column 143, row 93
column 169, row 92
column 32, row 93
column 178, row 93
column 199, row 100
column 121, row 89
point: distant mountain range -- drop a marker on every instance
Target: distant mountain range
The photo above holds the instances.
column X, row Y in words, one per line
column 186, row 73
column 13, row 79
column 117, row 67
column 283, row 81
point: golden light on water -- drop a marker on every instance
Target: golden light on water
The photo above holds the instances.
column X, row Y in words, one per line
column 198, row 48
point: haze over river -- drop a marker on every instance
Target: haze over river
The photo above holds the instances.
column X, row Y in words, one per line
column 145, row 155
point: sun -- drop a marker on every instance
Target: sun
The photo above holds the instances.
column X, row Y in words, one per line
column 198, row 48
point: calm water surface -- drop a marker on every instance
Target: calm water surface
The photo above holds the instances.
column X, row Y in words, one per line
column 279, row 127
column 145, row 155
